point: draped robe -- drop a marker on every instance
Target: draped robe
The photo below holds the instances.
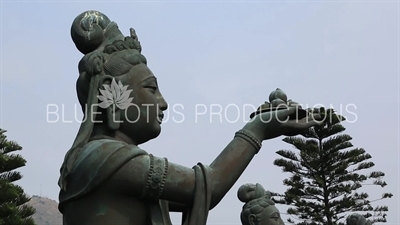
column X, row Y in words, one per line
column 100, row 158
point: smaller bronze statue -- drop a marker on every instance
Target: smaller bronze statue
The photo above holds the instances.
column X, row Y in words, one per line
column 259, row 209
column 357, row 219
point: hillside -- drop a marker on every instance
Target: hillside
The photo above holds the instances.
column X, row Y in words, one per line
column 46, row 211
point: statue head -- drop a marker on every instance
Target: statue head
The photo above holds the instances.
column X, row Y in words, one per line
column 118, row 93
column 258, row 209
column 357, row 219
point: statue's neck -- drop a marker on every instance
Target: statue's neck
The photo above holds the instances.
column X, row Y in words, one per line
column 101, row 131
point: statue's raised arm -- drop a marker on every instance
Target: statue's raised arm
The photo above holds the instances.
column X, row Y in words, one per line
column 106, row 178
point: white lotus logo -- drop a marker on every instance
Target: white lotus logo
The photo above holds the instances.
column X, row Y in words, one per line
column 115, row 94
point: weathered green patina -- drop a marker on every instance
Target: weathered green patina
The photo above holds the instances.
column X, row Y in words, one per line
column 106, row 178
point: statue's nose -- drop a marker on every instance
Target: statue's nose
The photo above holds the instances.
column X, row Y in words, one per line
column 162, row 103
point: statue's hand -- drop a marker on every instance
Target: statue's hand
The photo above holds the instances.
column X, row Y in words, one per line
column 274, row 123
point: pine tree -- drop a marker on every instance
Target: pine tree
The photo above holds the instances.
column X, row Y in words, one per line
column 324, row 186
column 13, row 210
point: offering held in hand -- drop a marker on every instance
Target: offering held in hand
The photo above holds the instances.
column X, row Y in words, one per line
column 278, row 101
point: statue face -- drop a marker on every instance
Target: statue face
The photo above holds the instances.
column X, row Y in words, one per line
column 141, row 121
column 271, row 216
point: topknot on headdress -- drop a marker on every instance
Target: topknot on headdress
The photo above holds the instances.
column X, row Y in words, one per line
column 92, row 30
column 249, row 192
column 357, row 219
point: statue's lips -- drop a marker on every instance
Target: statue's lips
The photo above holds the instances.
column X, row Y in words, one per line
column 160, row 118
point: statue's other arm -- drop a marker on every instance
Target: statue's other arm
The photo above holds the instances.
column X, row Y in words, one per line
column 178, row 183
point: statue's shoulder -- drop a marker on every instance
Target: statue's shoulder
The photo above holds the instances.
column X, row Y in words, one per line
column 100, row 141
column 107, row 143
column 102, row 144
column 104, row 148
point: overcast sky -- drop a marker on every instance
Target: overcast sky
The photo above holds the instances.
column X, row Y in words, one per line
column 342, row 54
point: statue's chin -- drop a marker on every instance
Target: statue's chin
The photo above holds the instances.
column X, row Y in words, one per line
column 154, row 133
column 157, row 131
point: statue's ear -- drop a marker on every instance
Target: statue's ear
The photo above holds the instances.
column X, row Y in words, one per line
column 253, row 219
column 113, row 117
column 112, row 111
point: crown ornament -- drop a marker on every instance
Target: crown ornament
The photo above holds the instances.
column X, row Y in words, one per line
column 93, row 31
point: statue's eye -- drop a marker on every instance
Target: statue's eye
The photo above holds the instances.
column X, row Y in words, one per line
column 152, row 88
column 275, row 216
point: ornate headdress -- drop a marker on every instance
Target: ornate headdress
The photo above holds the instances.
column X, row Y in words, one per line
column 96, row 37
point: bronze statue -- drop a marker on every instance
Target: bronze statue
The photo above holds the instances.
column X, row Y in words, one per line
column 357, row 219
column 259, row 209
column 106, row 178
